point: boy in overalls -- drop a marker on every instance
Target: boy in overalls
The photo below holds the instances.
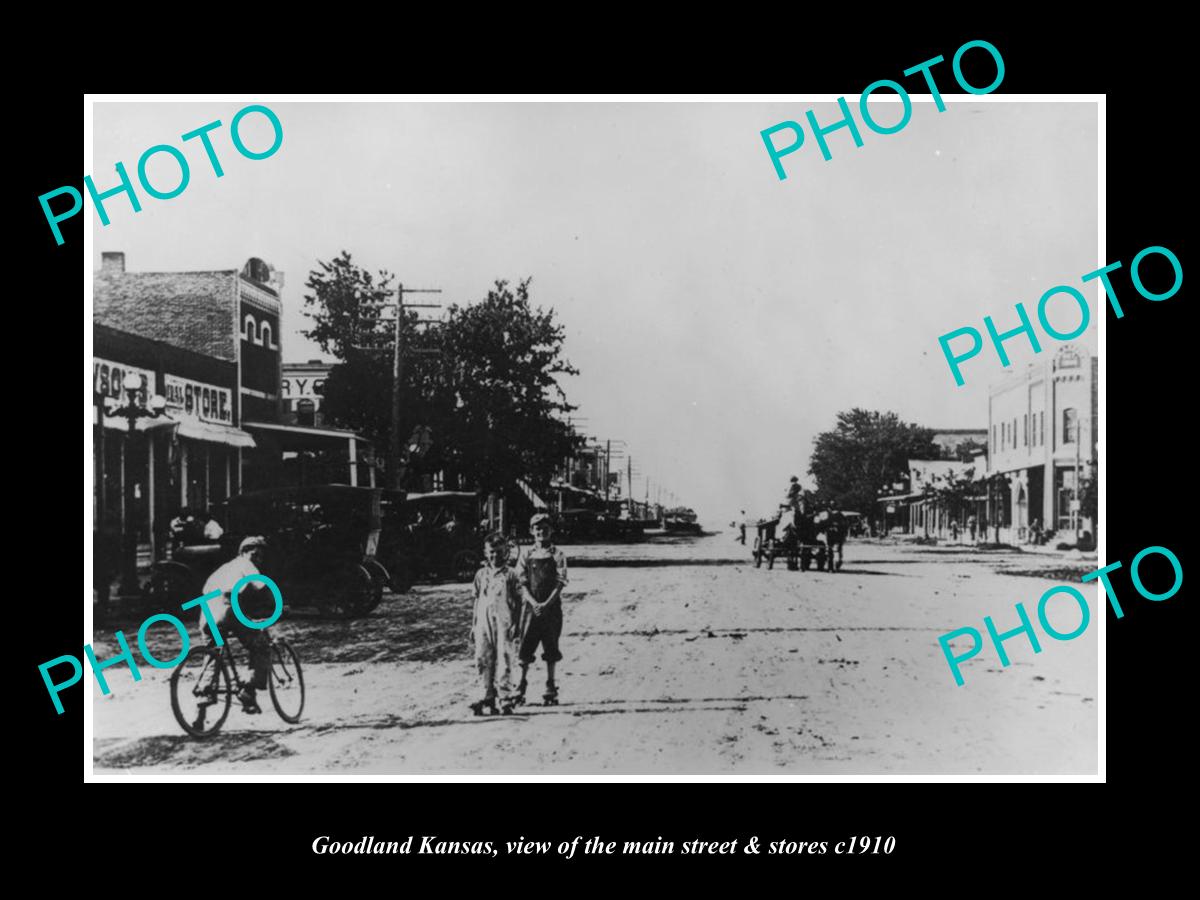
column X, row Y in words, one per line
column 543, row 575
column 495, row 626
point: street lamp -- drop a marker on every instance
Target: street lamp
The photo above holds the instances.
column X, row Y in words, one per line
column 131, row 411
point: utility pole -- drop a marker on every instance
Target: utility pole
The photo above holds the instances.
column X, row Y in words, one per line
column 1075, row 512
column 398, row 373
column 394, row 438
column 607, row 460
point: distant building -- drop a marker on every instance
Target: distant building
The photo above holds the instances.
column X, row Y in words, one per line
column 950, row 440
column 1042, row 436
column 303, row 389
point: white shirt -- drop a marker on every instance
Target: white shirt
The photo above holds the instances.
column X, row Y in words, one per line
column 223, row 580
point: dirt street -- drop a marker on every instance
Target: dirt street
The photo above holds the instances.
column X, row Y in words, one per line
column 680, row 657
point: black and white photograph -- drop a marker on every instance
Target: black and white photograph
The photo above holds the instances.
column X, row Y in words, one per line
column 590, row 438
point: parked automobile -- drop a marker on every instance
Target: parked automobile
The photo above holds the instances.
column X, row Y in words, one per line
column 432, row 535
column 322, row 547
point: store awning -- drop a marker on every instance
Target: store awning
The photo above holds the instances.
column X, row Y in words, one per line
column 120, row 423
column 298, row 437
column 215, row 434
column 538, row 502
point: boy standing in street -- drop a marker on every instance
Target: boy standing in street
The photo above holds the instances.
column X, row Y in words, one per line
column 496, row 626
column 543, row 575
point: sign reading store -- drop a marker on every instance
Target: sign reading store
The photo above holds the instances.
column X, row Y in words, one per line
column 199, row 401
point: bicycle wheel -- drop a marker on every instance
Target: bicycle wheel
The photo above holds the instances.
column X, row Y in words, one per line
column 287, row 682
column 200, row 692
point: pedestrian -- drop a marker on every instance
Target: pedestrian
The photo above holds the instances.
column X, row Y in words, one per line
column 495, row 626
column 184, row 528
column 742, row 528
column 954, row 530
column 211, row 529
column 971, row 527
column 543, row 575
column 223, row 582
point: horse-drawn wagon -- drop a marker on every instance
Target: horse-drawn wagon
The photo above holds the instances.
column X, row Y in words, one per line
column 802, row 538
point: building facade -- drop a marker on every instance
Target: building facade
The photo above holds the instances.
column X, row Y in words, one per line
column 1042, row 427
column 208, row 343
column 176, row 332
column 303, row 389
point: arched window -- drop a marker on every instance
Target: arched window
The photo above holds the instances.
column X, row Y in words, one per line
column 266, row 335
column 248, row 329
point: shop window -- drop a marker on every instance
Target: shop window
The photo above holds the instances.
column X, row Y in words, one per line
column 1070, row 425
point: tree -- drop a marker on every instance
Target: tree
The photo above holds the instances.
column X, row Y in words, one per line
column 344, row 305
column 502, row 360
column 864, row 454
column 485, row 383
column 966, row 451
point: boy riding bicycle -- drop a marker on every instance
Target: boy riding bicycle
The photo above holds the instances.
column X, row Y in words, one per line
column 218, row 614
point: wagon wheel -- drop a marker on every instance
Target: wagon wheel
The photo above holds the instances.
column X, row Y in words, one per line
column 466, row 563
column 757, row 552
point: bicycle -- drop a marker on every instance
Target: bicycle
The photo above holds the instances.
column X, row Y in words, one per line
column 201, row 686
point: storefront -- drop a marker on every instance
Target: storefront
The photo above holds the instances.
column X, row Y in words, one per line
column 1042, row 439
column 186, row 450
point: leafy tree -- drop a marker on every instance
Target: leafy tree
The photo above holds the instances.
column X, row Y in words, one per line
column 502, row 360
column 345, row 306
column 999, row 488
column 965, row 452
column 485, row 382
column 864, row 454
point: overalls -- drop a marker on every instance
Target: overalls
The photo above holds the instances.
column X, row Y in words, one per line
column 546, row 627
column 497, row 611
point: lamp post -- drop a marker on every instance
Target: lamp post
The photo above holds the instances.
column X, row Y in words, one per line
column 131, row 411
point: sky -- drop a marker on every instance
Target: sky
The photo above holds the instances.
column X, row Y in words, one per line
column 720, row 318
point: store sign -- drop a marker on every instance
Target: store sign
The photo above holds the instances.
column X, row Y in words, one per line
column 107, row 378
column 308, row 387
column 199, row 401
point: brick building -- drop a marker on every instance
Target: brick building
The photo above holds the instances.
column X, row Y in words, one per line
column 208, row 343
